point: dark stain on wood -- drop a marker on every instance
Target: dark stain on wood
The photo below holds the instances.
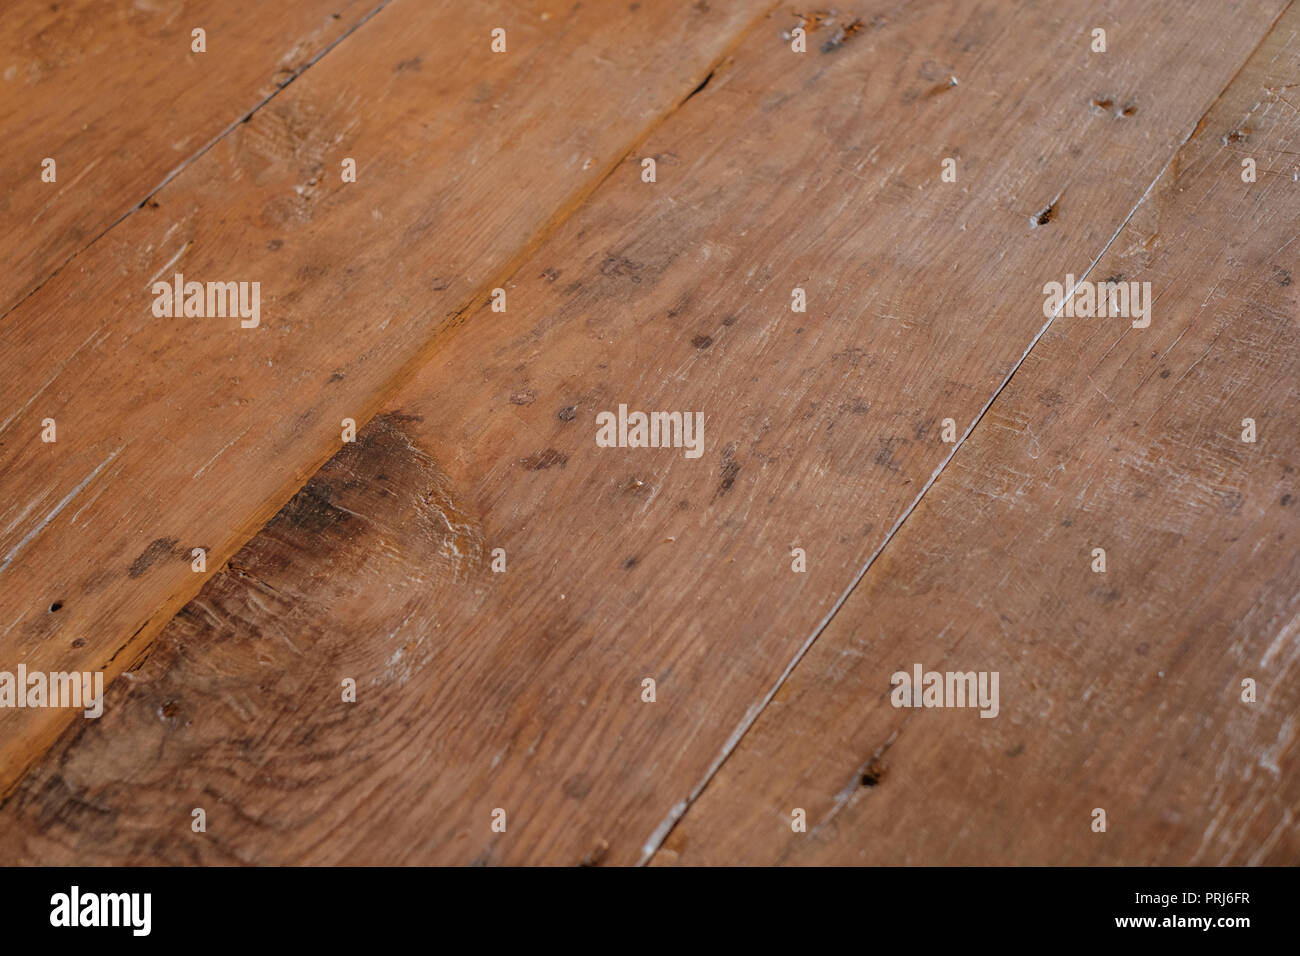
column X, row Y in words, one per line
column 542, row 460
column 158, row 548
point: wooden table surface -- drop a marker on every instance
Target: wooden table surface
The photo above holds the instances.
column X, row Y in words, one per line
column 366, row 584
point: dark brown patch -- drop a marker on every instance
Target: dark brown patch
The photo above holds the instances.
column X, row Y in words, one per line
column 312, row 508
column 275, row 245
column 158, row 548
column 395, row 420
column 1237, row 136
column 702, row 341
column 577, row 787
column 409, row 66
column 873, row 773
column 885, row 453
column 630, row 562
column 621, row 267
column 1045, row 216
column 730, row 469
column 543, row 459
column 1103, row 102
column 383, row 479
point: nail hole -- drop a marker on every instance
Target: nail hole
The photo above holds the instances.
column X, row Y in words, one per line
column 874, row 773
column 57, row 605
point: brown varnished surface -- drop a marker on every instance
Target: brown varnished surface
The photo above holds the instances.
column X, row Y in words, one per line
column 1122, row 690
column 114, row 93
column 522, row 690
column 188, row 433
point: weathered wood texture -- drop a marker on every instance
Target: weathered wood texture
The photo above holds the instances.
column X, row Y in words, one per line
column 182, row 433
column 1119, row 690
column 115, row 95
column 522, row 690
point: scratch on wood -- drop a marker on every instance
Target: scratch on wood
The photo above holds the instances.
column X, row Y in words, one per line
column 13, row 552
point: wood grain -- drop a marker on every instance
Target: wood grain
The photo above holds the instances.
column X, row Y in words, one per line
column 116, row 96
column 183, row 433
column 522, row 690
column 1119, row 690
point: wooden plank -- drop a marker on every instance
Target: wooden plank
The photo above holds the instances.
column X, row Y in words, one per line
column 1120, row 690
column 191, row 432
column 119, row 99
column 523, row 690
